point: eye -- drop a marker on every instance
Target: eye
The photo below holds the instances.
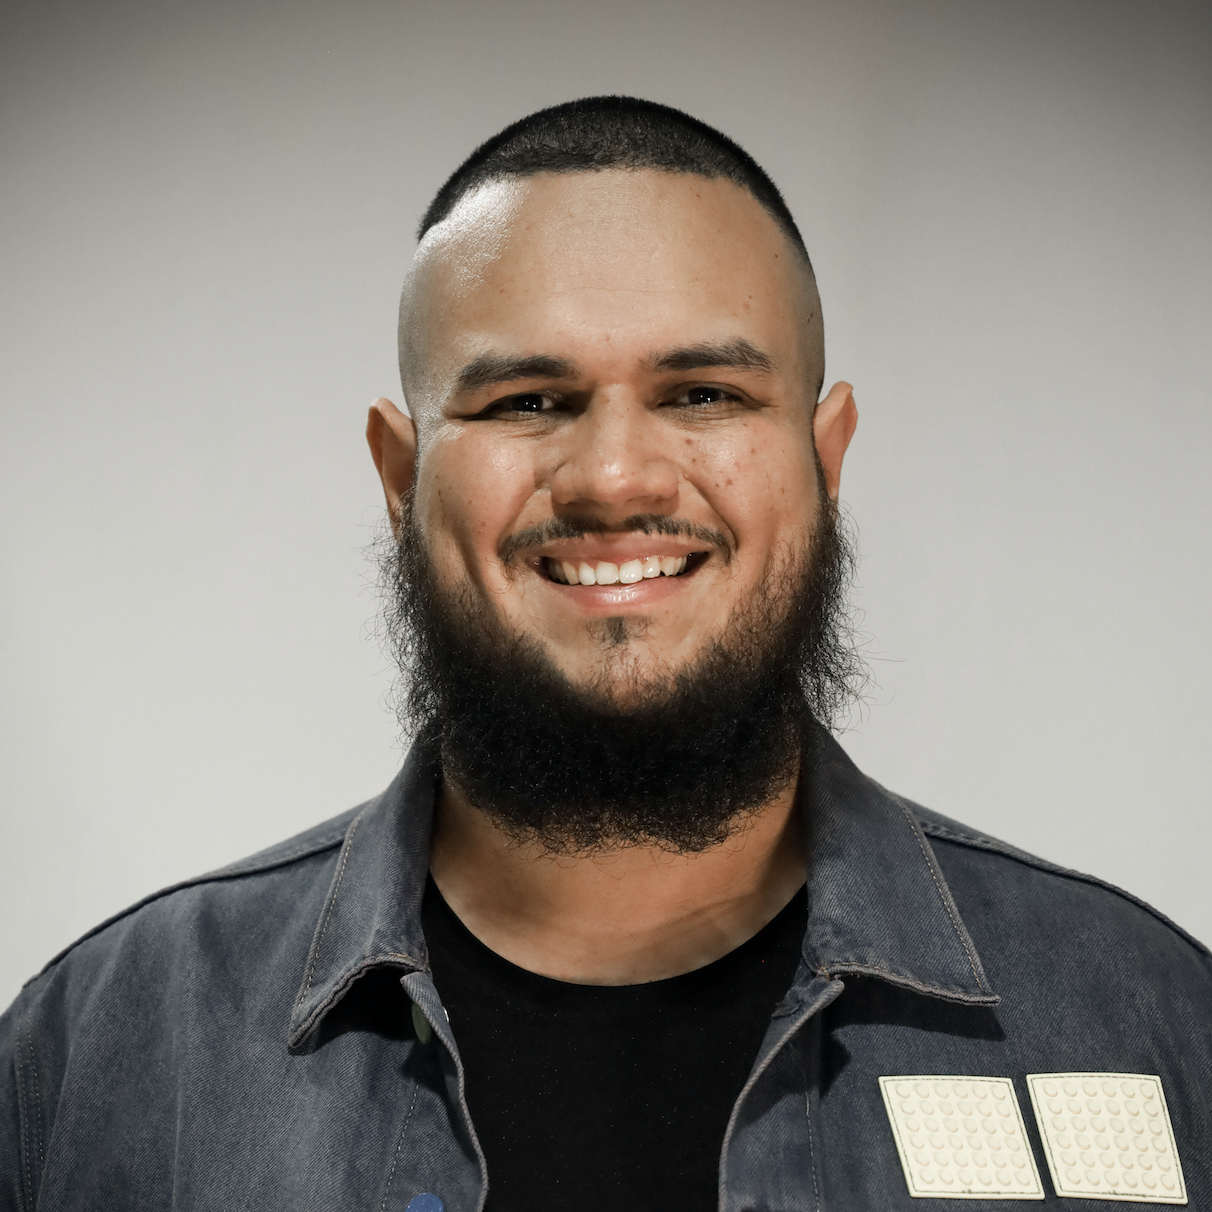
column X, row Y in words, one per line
column 700, row 397
column 525, row 404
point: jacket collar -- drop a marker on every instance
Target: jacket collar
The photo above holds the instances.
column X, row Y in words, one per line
column 877, row 902
column 372, row 914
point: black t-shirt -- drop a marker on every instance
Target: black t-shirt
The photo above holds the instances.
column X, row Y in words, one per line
column 591, row 1097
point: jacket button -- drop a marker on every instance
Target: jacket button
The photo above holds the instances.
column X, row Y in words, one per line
column 425, row 1202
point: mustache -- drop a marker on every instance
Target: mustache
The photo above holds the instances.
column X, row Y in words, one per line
column 639, row 523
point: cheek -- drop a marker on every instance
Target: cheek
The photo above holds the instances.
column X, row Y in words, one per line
column 760, row 479
column 468, row 494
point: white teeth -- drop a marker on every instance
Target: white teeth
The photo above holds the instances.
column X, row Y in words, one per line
column 564, row 572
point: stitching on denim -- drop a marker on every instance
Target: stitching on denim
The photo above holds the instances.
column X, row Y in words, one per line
column 994, row 846
column 30, row 1130
column 315, row 959
column 23, row 1116
column 339, row 990
column 33, row 1067
column 481, row 1159
column 955, row 924
column 318, row 846
column 862, row 968
column 752, row 1081
column 816, row 1194
column 278, row 860
column 461, row 1072
column 395, row 1157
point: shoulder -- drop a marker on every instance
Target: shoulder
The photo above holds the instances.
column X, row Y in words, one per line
column 230, row 943
column 246, row 902
column 1052, row 916
column 200, row 974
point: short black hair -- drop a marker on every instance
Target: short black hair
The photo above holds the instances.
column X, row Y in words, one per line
column 596, row 133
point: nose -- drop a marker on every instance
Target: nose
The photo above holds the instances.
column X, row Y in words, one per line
column 616, row 463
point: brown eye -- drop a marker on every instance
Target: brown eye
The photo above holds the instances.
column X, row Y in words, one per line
column 531, row 402
column 524, row 404
column 697, row 397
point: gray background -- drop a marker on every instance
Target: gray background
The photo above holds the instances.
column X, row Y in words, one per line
column 207, row 210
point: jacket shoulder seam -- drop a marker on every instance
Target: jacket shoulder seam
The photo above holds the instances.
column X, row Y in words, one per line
column 257, row 865
column 976, row 841
column 28, row 1113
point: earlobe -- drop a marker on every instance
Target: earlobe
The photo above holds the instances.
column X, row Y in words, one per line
column 833, row 425
column 392, row 437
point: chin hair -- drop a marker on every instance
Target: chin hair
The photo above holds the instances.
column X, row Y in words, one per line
column 676, row 759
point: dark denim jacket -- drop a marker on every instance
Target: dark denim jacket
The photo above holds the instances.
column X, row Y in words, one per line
column 245, row 1040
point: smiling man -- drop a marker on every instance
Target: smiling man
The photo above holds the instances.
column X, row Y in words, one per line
column 629, row 930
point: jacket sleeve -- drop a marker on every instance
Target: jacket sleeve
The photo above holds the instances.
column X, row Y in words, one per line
column 16, row 1178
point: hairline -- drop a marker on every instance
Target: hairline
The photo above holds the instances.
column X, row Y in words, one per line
column 475, row 183
column 500, row 176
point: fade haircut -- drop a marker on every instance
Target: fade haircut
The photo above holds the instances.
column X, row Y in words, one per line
column 596, row 133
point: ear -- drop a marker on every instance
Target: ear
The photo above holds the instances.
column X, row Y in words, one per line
column 392, row 437
column 833, row 425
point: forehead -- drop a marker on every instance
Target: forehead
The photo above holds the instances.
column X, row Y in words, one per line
column 625, row 257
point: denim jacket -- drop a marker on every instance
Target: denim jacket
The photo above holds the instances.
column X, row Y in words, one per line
column 269, row 1036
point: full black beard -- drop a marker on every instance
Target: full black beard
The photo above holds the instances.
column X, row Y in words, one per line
column 678, row 763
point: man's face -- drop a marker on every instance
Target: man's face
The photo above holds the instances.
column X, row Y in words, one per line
column 613, row 372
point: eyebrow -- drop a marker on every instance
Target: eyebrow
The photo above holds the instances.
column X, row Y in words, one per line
column 488, row 369
column 737, row 354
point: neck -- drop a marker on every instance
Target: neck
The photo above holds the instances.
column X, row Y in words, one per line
column 624, row 918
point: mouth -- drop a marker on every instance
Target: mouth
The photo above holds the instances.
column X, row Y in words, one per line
column 629, row 572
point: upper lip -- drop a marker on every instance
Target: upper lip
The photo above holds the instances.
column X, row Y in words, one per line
column 617, row 548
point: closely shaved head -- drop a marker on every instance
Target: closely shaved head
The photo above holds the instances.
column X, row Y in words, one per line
column 597, row 133
column 544, row 239
column 477, row 212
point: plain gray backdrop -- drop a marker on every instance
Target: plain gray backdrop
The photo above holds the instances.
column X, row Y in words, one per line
column 207, row 211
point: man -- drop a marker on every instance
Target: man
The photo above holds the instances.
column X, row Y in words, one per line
column 628, row 930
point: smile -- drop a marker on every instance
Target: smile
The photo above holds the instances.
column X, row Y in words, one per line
column 603, row 572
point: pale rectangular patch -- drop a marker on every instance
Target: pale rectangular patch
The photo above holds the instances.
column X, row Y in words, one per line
column 961, row 1137
column 1108, row 1136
